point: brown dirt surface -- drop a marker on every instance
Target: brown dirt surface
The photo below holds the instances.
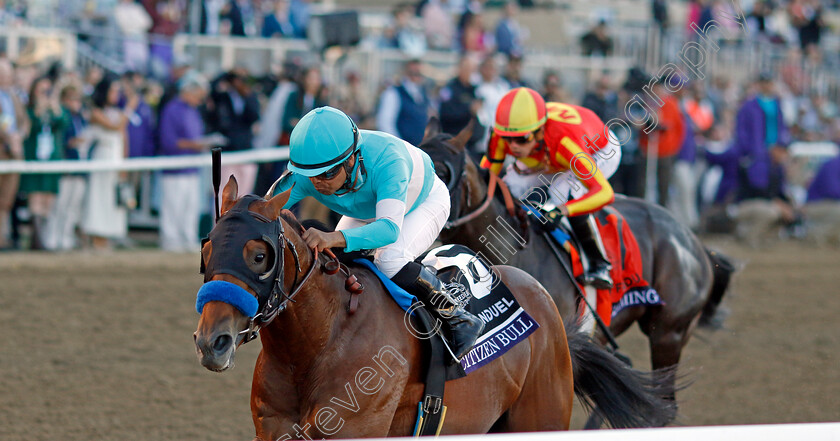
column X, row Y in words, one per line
column 100, row 347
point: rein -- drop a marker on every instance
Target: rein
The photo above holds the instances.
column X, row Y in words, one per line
column 495, row 181
column 270, row 311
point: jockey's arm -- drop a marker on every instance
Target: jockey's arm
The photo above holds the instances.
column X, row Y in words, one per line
column 391, row 186
column 495, row 157
column 383, row 231
column 583, row 166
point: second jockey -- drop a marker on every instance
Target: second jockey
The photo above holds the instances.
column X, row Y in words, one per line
column 391, row 201
column 567, row 148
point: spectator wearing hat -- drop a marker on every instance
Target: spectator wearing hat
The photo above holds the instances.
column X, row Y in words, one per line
column 181, row 133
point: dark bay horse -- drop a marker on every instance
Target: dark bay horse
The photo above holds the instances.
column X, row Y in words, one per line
column 690, row 279
column 324, row 372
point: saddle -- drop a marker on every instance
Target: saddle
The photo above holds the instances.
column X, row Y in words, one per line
column 482, row 293
column 629, row 286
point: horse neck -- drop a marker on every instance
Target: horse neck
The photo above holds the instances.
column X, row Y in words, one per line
column 304, row 329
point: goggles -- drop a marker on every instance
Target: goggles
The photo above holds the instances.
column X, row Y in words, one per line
column 519, row 139
column 331, row 173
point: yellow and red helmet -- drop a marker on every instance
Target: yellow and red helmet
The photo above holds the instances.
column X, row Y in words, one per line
column 520, row 112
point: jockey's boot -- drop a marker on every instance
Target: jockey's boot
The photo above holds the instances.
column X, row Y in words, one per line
column 464, row 327
column 598, row 274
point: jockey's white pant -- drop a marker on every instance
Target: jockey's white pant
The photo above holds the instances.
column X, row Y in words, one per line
column 419, row 230
column 563, row 184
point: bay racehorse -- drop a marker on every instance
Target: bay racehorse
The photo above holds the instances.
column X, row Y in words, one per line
column 690, row 279
column 326, row 372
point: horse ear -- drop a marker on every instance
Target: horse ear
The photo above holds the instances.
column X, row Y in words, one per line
column 229, row 194
column 275, row 205
column 463, row 137
column 432, row 129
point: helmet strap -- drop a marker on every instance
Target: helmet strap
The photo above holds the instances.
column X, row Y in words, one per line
column 352, row 174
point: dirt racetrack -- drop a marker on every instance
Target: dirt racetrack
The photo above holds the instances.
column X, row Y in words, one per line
column 99, row 347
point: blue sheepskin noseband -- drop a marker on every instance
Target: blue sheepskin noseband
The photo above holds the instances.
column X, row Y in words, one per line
column 218, row 290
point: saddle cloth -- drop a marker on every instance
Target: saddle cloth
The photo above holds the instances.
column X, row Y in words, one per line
column 629, row 286
column 481, row 292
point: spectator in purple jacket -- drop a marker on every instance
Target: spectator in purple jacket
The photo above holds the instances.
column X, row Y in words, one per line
column 761, row 140
column 140, row 128
column 826, row 185
column 182, row 133
column 823, row 206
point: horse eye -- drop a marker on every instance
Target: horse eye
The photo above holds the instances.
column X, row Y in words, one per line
column 259, row 258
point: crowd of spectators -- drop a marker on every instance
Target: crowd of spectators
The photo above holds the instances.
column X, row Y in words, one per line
column 717, row 144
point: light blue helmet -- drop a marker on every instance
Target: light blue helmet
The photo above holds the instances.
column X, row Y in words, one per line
column 323, row 138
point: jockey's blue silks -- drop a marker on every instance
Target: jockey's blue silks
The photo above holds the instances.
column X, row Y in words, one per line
column 231, row 233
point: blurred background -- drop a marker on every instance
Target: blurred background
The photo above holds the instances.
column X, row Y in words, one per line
column 268, row 62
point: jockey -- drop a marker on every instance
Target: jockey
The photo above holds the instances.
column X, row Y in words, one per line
column 391, row 201
column 548, row 141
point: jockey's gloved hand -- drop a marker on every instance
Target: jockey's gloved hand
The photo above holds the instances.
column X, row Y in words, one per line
column 555, row 217
column 549, row 220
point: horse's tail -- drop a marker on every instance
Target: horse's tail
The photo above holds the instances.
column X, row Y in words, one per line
column 614, row 391
column 722, row 269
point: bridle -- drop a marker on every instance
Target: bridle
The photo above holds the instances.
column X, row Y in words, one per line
column 274, row 305
column 273, row 298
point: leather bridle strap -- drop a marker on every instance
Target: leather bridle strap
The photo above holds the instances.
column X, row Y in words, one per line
column 261, row 320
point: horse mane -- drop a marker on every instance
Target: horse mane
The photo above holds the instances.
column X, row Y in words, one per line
column 438, row 141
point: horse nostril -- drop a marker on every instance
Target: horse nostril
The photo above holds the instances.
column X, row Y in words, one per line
column 222, row 343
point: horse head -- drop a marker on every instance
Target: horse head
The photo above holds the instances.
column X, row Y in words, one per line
column 470, row 193
column 251, row 265
column 454, row 166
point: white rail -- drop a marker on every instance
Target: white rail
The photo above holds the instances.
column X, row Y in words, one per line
column 154, row 163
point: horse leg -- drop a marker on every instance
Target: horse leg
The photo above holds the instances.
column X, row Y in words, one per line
column 546, row 398
column 666, row 341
